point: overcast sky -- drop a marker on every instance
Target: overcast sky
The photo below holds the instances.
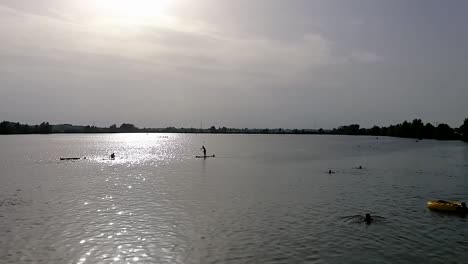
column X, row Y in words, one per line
column 242, row 63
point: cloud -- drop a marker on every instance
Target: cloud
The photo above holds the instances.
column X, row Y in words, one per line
column 365, row 56
column 174, row 42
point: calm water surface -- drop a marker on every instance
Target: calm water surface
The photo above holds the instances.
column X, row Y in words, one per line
column 263, row 199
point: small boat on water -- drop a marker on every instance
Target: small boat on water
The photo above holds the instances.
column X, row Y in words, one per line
column 204, row 157
column 70, row 158
column 445, row 206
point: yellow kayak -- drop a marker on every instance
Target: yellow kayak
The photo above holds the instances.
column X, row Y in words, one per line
column 440, row 205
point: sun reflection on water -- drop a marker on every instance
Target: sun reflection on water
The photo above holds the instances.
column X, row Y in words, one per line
column 123, row 228
column 141, row 149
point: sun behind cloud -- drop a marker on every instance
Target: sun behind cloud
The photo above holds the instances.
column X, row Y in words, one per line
column 131, row 12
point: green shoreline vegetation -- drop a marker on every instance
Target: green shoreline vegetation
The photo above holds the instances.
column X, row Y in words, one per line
column 415, row 129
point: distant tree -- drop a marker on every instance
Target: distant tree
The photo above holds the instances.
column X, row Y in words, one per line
column 429, row 131
column 443, row 132
column 45, row 128
column 375, row 131
column 113, row 128
column 417, row 128
column 404, row 130
column 354, row 129
column 128, row 127
column 25, row 129
column 17, row 127
column 212, row 129
column 170, row 130
column 464, row 130
column 5, row 127
column 348, row 130
column 383, row 131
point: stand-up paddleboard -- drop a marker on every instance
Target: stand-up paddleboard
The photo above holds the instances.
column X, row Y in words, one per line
column 204, row 157
column 70, row 158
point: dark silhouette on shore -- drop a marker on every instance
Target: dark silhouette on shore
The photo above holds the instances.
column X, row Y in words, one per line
column 415, row 129
column 17, row 128
column 464, row 130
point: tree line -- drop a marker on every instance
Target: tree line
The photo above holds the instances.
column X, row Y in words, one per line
column 17, row 128
column 415, row 129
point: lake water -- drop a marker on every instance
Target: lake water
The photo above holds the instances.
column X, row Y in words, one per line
column 262, row 199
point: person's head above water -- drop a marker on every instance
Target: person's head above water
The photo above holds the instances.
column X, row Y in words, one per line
column 368, row 219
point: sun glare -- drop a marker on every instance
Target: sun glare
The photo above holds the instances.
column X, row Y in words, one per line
column 132, row 12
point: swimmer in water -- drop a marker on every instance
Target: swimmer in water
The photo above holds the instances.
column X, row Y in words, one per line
column 368, row 219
